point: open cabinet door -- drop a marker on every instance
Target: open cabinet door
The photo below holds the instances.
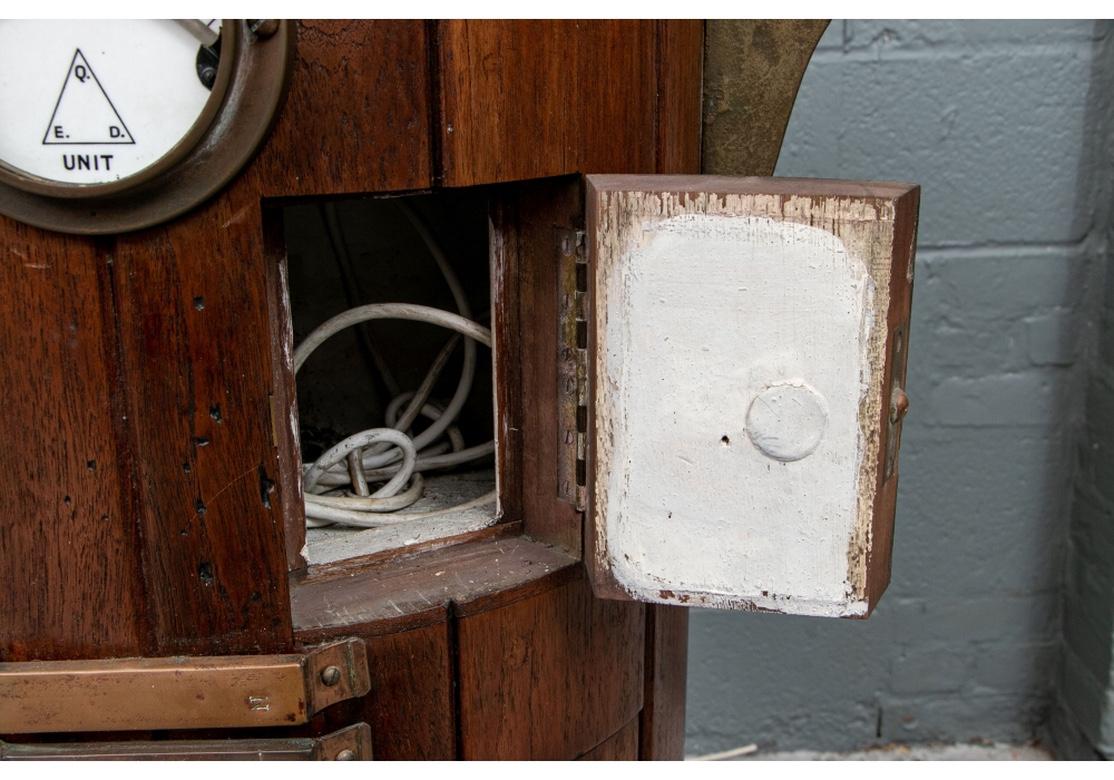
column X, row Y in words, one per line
column 746, row 354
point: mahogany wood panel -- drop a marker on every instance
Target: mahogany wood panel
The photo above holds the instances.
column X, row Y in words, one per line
column 507, row 364
column 192, row 307
column 498, row 674
column 529, row 99
column 621, row 746
column 613, row 117
column 526, row 219
column 71, row 579
column 411, row 697
column 680, row 70
column 357, row 116
column 550, row 676
column 662, row 733
column 155, row 430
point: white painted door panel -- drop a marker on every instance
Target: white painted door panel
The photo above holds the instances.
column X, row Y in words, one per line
column 741, row 385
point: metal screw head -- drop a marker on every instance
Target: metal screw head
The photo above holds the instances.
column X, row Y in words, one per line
column 330, row 675
column 346, row 755
column 263, row 28
column 899, row 405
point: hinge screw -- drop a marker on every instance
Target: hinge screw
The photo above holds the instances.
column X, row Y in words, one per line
column 346, row 755
column 899, row 405
column 263, row 28
column 330, row 675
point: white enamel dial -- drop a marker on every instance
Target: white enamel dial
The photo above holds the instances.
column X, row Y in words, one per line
column 94, row 102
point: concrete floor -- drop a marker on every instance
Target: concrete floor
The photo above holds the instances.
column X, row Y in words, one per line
column 894, row 752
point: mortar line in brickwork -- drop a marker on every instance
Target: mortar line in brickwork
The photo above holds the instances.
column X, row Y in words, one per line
column 872, row 53
column 993, row 250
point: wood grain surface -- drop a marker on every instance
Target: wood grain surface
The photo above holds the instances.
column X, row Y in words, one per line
column 147, row 418
column 550, row 676
column 599, row 96
column 527, row 219
column 662, row 732
column 680, row 66
column 192, row 306
column 152, row 502
column 620, row 746
column 411, row 707
column 420, row 589
column 71, row 584
column 357, row 116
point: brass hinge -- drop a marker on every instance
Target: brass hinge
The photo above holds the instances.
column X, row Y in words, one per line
column 572, row 368
column 188, row 692
column 352, row 743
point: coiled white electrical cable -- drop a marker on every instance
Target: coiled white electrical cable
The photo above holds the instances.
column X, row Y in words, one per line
column 336, row 485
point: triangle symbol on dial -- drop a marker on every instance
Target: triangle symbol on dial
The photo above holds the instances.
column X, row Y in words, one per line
column 83, row 113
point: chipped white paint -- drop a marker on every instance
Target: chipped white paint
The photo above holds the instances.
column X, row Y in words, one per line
column 500, row 434
column 735, row 456
column 286, row 343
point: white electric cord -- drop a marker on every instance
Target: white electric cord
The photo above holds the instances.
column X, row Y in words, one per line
column 336, row 485
column 335, row 467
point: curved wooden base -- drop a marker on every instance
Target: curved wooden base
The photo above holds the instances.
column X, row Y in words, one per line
column 509, row 660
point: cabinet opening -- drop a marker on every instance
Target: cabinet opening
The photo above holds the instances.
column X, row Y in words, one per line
column 388, row 302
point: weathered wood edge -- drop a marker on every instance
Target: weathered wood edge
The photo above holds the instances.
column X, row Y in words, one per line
column 880, row 555
column 417, row 590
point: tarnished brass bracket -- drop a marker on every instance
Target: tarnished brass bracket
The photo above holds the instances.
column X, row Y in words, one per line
column 352, row 743
column 189, row 692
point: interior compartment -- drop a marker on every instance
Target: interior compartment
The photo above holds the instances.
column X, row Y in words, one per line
column 353, row 252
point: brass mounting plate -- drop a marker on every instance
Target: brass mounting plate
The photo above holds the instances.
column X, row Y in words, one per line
column 189, row 692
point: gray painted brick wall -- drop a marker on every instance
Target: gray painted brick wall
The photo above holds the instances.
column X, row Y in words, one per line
column 1086, row 684
column 999, row 122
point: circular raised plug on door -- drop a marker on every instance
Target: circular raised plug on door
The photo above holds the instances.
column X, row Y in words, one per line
column 786, row 421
